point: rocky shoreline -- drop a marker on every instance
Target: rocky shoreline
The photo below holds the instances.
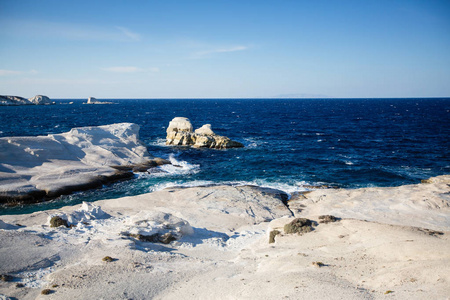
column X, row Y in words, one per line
column 239, row 242
column 34, row 169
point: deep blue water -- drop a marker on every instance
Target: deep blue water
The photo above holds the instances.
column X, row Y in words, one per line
column 289, row 142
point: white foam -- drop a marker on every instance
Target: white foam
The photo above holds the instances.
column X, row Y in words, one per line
column 252, row 143
column 158, row 142
column 178, row 167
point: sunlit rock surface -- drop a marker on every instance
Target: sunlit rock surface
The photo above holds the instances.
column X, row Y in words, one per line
column 47, row 166
column 180, row 133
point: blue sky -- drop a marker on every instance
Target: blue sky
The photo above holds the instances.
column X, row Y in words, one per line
column 221, row 49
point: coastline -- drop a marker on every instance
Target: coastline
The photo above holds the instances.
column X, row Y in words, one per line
column 36, row 168
column 397, row 247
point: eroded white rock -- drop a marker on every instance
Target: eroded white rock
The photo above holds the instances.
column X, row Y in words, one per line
column 180, row 124
column 180, row 133
column 60, row 163
column 205, row 130
column 40, row 100
column 152, row 225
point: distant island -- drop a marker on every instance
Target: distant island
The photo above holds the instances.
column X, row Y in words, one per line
column 92, row 100
column 16, row 100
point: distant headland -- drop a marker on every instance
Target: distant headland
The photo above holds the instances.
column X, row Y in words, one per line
column 16, row 100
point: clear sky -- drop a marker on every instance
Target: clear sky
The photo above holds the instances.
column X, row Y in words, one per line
column 225, row 48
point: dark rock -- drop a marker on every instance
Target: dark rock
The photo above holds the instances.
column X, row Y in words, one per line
column 318, row 264
column 46, row 291
column 167, row 238
column 108, row 259
column 154, row 238
column 5, row 277
column 327, row 219
column 272, row 236
column 299, row 226
column 58, row 221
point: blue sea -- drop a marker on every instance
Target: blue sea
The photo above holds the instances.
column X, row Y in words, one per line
column 290, row 144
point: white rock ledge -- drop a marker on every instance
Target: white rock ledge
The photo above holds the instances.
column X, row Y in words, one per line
column 32, row 168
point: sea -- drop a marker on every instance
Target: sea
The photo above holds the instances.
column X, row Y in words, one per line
column 290, row 144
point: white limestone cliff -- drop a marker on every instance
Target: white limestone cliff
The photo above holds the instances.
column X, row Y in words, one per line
column 32, row 168
column 16, row 100
column 40, row 100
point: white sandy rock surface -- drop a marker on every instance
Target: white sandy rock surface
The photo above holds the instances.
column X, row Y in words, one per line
column 48, row 165
column 222, row 251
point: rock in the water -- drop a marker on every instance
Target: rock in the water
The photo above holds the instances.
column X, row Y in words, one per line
column 180, row 124
column 180, row 133
column 13, row 101
column 205, row 130
column 92, row 100
column 40, row 100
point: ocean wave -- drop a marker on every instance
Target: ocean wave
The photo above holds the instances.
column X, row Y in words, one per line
column 158, row 142
column 176, row 168
column 252, row 143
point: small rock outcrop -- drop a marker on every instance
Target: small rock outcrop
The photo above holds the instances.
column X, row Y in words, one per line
column 299, row 226
column 156, row 227
column 328, row 219
column 40, row 100
column 180, row 133
column 58, row 221
column 92, row 100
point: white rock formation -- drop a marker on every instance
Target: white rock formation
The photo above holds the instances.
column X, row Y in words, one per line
column 229, row 256
column 180, row 124
column 16, row 100
column 150, row 223
column 92, row 100
column 205, row 130
column 87, row 212
column 60, row 163
column 180, row 133
column 13, row 101
column 40, row 100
